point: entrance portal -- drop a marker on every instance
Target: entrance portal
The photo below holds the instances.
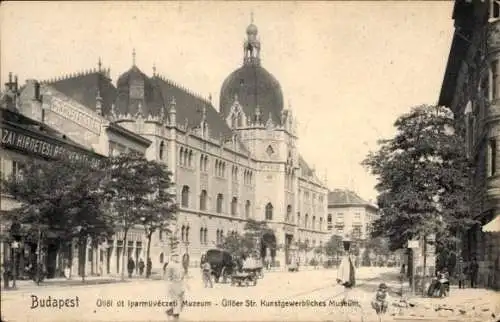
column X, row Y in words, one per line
column 268, row 247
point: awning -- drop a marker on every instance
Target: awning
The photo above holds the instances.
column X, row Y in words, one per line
column 493, row 226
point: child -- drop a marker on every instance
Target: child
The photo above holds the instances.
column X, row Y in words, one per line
column 381, row 301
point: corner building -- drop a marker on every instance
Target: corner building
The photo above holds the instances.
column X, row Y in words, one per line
column 471, row 88
column 230, row 166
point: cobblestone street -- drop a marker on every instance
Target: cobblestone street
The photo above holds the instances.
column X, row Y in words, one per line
column 230, row 303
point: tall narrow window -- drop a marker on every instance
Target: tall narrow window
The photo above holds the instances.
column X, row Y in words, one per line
column 185, row 197
column 288, row 213
column 162, row 150
column 203, row 200
column 234, row 206
column 269, row 211
column 247, row 209
column 495, row 9
column 220, row 201
column 493, row 157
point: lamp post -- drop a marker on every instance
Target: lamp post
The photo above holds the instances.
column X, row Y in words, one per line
column 15, row 247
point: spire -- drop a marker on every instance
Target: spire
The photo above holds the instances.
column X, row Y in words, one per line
column 99, row 65
column 133, row 57
column 252, row 44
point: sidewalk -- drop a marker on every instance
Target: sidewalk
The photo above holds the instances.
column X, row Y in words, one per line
column 23, row 285
column 479, row 305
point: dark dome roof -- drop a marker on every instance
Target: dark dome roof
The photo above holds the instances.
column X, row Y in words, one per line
column 254, row 86
column 135, row 88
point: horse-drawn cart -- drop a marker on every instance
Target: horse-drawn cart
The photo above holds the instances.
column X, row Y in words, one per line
column 248, row 274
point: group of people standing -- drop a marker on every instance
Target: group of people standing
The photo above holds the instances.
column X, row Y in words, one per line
column 467, row 271
column 140, row 266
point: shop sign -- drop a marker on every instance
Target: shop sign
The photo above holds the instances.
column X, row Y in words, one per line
column 37, row 146
column 70, row 112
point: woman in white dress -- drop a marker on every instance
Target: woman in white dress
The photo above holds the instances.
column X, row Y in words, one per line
column 174, row 274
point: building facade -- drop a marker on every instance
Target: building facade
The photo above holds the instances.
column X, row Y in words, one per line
column 349, row 215
column 231, row 165
column 471, row 88
column 24, row 138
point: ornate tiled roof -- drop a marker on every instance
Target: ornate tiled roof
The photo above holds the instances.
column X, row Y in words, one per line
column 84, row 87
column 345, row 197
column 158, row 92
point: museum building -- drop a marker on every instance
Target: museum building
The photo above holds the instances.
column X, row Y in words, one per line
column 229, row 165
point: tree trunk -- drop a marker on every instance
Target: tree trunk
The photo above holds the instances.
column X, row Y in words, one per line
column 83, row 252
column 148, row 250
column 125, row 253
column 424, row 279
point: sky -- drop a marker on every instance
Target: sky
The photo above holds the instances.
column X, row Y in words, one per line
column 347, row 69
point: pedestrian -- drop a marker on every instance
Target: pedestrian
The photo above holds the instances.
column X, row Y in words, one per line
column 460, row 272
column 174, row 274
column 206, row 269
column 130, row 267
column 141, row 267
column 473, row 269
column 381, row 301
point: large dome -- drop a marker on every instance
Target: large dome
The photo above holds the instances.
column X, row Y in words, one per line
column 252, row 85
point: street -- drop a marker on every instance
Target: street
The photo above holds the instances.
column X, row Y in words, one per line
column 313, row 294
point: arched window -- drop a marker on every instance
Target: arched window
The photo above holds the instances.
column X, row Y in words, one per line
column 314, row 222
column 269, row 211
column 288, row 213
column 298, row 218
column 186, row 239
column 185, row 197
column 203, row 200
column 202, row 159
column 190, row 158
column 205, row 235
column 321, row 223
column 306, row 221
column 183, row 233
column 247, row 209
column 220, row 201
column 234, row 206
column 206, row 164
column 201, row 235
column 217, row 236
column 162, row 148
column 161, row 258
column 216, row 167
